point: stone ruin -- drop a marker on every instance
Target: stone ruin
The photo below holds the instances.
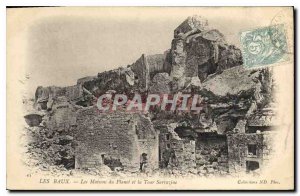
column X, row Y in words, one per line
column 117, row 136
column 226, row 136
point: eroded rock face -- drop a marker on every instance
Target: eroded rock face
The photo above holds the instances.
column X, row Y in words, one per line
column 46, row 96
column 141, row 73
column 233, row 95
column 192, row 23
column 85, row 79
column 200, row 51
column 155, row 63
column 121, row 80
column 199, row 61
column 43, row 94
column 167, row 61
column 145, row 68
column 178, row 53
column 160, row 83
column 230, row 56
column 231, row 81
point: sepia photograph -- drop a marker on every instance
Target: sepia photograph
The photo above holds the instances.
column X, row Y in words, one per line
column 150, row 98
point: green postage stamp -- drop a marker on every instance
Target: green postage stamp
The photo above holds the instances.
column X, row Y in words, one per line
column 264, row 46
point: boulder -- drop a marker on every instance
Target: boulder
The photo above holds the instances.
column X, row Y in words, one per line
column 33, row 119
column 231, row 82
column 192, row 23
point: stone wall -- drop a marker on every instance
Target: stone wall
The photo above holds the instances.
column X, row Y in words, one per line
column 146, row 67
column 148, row 139
column 268, row 147
column 119, row 135
column 185, row 152
column 175, row 151
column 238, row 153
column 211, row 154
column 62, row 116
column 205, row 155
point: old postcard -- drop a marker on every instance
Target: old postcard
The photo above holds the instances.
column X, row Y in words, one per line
column 150, row 98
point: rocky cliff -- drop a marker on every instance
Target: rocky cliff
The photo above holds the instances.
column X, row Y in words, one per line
column 200, row 61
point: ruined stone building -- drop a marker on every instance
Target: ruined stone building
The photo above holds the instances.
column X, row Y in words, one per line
column 185, row 149
column 250, row 149
column 212, row 153
column 230, row 134
column 176, row 151
column 118, row 136
column 243, row 150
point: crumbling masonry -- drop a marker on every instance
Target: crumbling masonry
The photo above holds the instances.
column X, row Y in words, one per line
column 232, row 133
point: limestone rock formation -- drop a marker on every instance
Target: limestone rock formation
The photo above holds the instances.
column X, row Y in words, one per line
column 193, row 23
column 160, row 84
column 231, row 81
column 145, row 69
column 200, row 61
column 200, row 51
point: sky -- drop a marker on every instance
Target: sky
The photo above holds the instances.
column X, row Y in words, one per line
column 66, row 45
